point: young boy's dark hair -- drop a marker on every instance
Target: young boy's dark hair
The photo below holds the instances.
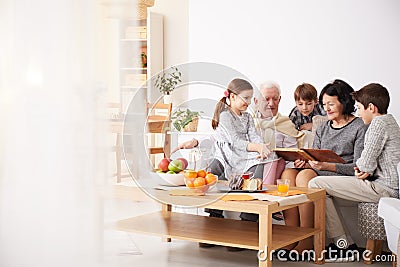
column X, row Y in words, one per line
column 373, row 93
column 305, row 91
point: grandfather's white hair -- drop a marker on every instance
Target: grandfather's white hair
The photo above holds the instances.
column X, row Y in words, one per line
column 267, row 85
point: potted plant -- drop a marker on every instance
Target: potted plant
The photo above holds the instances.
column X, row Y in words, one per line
column 186, row 120
column 167, row 81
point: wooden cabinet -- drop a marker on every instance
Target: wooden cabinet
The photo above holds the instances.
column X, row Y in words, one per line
column 140, row 56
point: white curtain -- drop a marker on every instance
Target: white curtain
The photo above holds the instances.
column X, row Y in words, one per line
column 53, row 81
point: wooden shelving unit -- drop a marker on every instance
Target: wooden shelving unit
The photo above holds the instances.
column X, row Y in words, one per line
column 138, row 38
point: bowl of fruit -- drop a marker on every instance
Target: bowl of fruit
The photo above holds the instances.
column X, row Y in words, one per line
column 200, row 180
column 171, row 171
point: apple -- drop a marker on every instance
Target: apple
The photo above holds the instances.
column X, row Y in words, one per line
column 163, row 165
column 184, row 163
column 175, row 166
column 171, row 172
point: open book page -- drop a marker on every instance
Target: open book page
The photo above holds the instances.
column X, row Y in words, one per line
column 323, row 155
column 291, row 154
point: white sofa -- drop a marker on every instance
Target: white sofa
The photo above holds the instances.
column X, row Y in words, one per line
column 389, row 210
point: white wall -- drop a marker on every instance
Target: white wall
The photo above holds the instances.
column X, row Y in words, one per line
column 294, row 41
column 176, row 28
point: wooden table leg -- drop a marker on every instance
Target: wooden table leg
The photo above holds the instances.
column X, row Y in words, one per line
column 264, row 239
column 319, row 223
column 166, row 208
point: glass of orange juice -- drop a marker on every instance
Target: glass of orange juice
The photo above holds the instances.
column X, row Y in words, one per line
column 283, row 186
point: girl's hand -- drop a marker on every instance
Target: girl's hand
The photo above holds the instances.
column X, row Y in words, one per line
column 359, row 174
column 299, row 163
column 186, row 145
column 264, row 151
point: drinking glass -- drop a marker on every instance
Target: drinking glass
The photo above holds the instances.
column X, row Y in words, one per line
column 283, row 186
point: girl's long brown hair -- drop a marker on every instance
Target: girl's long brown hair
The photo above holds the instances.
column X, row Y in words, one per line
column 235, row 86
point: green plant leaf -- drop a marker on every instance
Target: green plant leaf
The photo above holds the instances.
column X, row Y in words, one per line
column 177, row 126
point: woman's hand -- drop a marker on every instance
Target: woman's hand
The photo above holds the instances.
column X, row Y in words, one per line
column 299, row 163
column 359, row 174
column 322, row 166
column 186, row 145
column 316, row 165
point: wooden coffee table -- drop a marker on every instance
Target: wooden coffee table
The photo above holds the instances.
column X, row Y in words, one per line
column 262, row 236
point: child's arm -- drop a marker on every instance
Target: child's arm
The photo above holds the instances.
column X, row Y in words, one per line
column 186, row 145
column 254, row 136
column 230, row 135
column 318, row 110
column 306, row 126
column 261, row 148
column 359, row 174
column 293, row 116
column 227, row 132
column 375, row 140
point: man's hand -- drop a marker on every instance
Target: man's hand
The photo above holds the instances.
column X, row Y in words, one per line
column 359, row 174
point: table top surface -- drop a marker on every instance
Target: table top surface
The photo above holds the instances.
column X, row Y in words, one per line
column 213, row 200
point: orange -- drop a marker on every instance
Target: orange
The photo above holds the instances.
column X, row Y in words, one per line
column 199, row 181
column 211, row 178
column 189, row 183
column 190, row 174
column 201, row 173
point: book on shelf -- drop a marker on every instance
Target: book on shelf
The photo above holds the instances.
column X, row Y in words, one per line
column 136, row 32
column 323, row 155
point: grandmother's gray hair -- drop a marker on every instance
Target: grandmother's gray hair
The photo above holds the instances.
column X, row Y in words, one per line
column 266, row 85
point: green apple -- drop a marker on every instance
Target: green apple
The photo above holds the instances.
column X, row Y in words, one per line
column 171, row 172
column 175, row 166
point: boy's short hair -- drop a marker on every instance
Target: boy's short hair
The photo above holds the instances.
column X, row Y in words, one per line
column 373, row 93
column 305, row 91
